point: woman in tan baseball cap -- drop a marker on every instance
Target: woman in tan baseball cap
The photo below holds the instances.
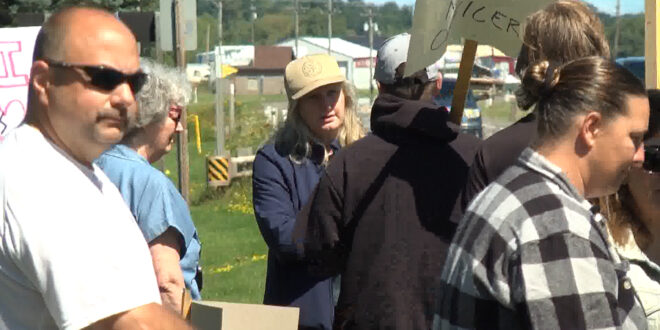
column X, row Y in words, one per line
column 321, row 119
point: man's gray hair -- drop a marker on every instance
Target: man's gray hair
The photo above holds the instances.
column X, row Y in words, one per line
column 165, row 86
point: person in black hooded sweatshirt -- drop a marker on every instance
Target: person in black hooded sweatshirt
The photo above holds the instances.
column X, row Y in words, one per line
column 383, row 213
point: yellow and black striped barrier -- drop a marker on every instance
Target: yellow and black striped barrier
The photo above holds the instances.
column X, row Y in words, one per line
column 218, row 171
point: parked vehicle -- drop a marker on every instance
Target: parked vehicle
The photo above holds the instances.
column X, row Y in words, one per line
column 634, row 64
column 197, row 72
column 471, row 121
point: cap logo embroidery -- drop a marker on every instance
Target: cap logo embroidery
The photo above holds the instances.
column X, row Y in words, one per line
column 311, row 69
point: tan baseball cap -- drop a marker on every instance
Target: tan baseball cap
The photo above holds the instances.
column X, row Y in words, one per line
column 308, row 73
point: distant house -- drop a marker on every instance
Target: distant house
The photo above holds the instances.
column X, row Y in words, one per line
column 502, row 66
column 364, row 40
column 353, row 59
column 265, row 75
column 234, row 55
column 260, row 68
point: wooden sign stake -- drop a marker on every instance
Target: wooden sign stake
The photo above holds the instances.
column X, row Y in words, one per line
column 652, row 11
column 463, row 81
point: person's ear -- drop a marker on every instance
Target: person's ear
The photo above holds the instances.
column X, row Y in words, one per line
column 40, row 81
column 437, row 86
column 591, row 126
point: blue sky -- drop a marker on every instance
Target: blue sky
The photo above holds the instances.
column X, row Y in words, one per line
column 607, row 6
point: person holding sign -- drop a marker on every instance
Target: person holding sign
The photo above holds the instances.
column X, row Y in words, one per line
column 160, row 211
column 71, row 255
column 322, row 118
column 561, row 32
column 532, row 252
column 381, row 214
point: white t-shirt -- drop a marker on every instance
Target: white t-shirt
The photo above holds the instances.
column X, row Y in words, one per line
column 70, row 252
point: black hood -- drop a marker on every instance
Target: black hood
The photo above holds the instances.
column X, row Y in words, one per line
column 392, row 115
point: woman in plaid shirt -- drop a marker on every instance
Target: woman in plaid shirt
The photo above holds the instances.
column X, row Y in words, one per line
column 531, row 251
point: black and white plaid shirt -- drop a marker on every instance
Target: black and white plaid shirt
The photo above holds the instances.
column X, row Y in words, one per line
column 532, row 253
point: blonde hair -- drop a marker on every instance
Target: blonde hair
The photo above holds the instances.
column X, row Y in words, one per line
column 617, row 208
column 294, row 138
column 561, row 32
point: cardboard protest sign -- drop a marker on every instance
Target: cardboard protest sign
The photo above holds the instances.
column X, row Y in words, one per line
column 494, row 22
column 16, row 46
column 217, row 315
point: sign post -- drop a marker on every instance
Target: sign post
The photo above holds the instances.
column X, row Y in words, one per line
column 182, row 140
column 651, row 53
column 219, row 90
column 463, row 81
column 177, row 26
column 188, row 24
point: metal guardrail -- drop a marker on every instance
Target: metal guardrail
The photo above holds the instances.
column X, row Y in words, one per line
column 241, row 166
column 221, row 170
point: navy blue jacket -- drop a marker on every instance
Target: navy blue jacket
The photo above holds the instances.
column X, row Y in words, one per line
column 281, row 188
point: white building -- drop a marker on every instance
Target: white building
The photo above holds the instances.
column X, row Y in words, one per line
column 234, row 55
column 353, row 59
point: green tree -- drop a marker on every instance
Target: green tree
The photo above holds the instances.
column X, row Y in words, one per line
column 392, row 19
column 204, row 22
column 272, row 28
column 631, row 36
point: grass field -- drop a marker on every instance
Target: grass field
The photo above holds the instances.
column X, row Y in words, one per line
column 501, row 112
column 233, row 252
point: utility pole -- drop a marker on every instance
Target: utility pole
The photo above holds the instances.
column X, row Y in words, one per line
column 371, row 58
column 182, row 140
column 295, row 11
column 232, row 109
column 253, row 16
column 160, row 164
column 207, row 60
column 219, row 98
column 159, row 51
column 370, row 26
column 618, row 29
column 329, row 27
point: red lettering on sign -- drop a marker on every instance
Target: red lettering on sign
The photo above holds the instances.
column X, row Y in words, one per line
column 12, row 107
column 8, row 75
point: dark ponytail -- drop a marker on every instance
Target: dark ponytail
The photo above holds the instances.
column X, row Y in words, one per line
column 586, row 84
column 539, row 81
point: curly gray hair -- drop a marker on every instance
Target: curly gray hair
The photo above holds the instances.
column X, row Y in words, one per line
column 165, row 86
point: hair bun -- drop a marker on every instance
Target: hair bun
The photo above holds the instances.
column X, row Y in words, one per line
column 538, row 82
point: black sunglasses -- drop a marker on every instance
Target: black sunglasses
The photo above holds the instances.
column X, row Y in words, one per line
column 652, row 158
column 105, row 78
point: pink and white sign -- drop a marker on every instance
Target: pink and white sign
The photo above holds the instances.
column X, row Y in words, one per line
column 16, row 47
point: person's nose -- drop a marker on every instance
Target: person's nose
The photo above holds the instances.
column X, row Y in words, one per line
column 328, row 103
column 122, row 96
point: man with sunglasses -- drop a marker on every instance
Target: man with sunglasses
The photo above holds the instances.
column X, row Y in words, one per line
column 71, row 254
